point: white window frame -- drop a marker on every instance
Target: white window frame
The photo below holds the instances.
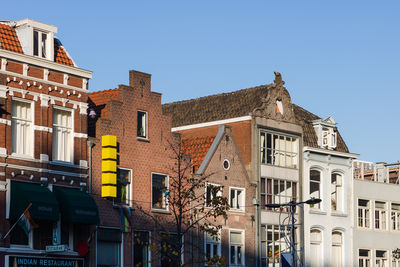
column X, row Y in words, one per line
column 381, row 261
column 395, row 217
column 364, row 221
column 219, row 193
column 145, row 129
column 340, row 245
column 282, row 233
column 382, row 218
column 212, row 243
column 30, row 136
column 40, row 44
column 320, row 188
column 338, row 193
column 282, row 198
column 328, row 138
column 319, row 243
column 273, row 155
column 166, row 208
column 72, row 156
column 236, row 245
column 242, row 203
column 366, row 260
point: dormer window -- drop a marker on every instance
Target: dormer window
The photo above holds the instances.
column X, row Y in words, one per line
column 40, row 46
column 325, row 131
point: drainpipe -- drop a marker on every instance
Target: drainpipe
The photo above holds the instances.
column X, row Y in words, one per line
column 301, row 207
column 90, row 145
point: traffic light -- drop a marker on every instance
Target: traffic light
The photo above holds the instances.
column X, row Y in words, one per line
column 109, row 166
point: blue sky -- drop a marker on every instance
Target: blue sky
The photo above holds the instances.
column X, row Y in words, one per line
column 339, row 58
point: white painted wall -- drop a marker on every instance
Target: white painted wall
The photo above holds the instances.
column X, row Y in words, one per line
column 326, row 219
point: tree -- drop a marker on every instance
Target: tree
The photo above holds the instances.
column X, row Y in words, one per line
column 193, row 212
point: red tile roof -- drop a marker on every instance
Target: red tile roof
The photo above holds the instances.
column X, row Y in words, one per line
column 197, row 148
column 8, row 39
column 60, row 55
column 99, row 100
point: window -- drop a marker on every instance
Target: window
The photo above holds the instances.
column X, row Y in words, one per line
column 40, row 46
column 316, row 247
column 336, row 192
column 159, row 191
column 395, row 217
column 237, row 198
column 141, row 244
column 278, row 150
column 275, row 191
column 381, row 258
column 109, row 247
column 142, row 124
column 337, row 247
column 236, row 248
column 395, row 262
column 18, row 236
column 212, row 245
column 315, row 186
column 21, row 128
column 329, row 138
column 364, row 258
column 212, row 191
column 380, row 215
column 62, row 135
column 363, row 213
column 123, row 186
column 170, row 250
column 274, row 241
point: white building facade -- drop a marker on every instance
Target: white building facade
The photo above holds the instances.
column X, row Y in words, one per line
column 376, row 238
column 327, row 175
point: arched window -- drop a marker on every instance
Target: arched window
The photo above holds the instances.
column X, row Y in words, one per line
column 315, row 186
column 337, row 249
column 337, row 192
column 315, row 247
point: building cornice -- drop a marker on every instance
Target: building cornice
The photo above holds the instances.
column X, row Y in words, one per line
column 211, row 123
column 45, row 63
column 330, row 152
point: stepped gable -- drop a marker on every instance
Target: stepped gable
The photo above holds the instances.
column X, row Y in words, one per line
column 9, row 39
column 237, row 104
column 197, row 148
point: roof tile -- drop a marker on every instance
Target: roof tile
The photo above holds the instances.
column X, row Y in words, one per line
column 8, row 39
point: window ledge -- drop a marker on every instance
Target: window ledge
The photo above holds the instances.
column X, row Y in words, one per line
column 67, row 164
column 236, row 210
column 320, row 212
column 339, row 214
column 143, row 139
column 160, row 211
column 23, row 157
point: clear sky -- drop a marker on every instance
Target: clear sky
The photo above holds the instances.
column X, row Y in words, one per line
column 339, row 58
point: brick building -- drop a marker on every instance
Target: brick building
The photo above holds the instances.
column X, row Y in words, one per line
column 133, row 114
column 218, row 158
column 43, row 150
column 271, row 133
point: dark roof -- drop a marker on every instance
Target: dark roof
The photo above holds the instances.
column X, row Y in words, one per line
column 216, row 107
column 237, row 104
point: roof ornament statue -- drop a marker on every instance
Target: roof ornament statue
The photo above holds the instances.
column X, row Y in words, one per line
column 278, row 79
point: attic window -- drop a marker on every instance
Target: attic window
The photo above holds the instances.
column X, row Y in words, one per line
column 226, row 164
column 40, row 47
column 328, row 138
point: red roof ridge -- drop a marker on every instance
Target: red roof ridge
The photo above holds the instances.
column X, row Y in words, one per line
column 104, row 91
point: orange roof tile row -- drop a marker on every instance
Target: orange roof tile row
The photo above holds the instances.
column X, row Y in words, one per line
column 60, row 55
column 99, row 100
column 197, row 148
column 8, row 39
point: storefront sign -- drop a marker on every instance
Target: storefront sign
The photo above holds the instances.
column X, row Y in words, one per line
column 22, row 261
column 57, row 248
